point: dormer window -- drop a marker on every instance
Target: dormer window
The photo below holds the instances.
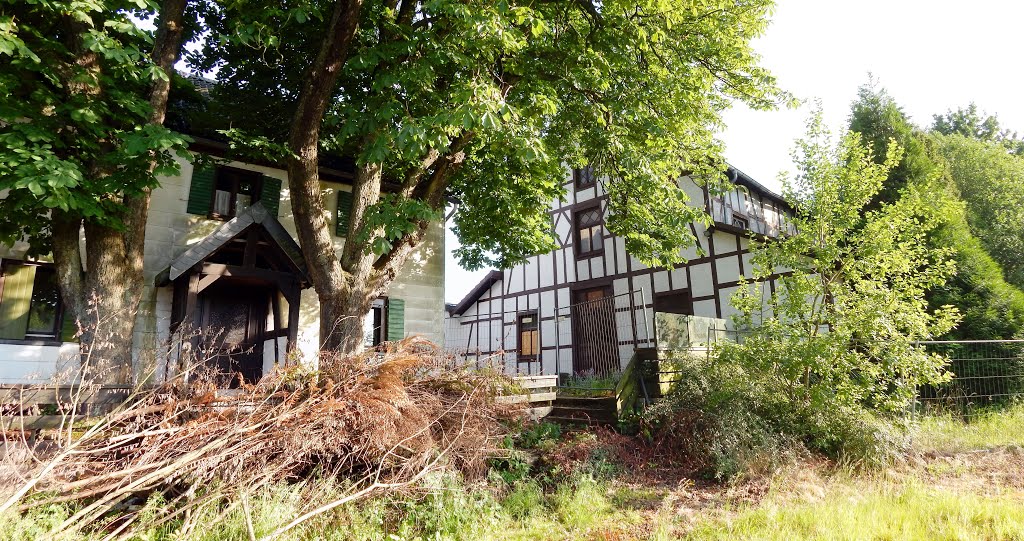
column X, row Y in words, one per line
column 584, row 177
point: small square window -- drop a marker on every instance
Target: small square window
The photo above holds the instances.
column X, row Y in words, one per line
column 740, row 222
column 584, row 177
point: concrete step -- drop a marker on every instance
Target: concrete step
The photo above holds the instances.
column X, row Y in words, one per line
column 594, row 415
column 568, row 423
column 607, row 402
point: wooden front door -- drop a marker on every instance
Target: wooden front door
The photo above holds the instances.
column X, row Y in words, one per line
column 595, row 337
column 233, row 319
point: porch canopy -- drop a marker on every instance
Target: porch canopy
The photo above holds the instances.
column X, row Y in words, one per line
column 239, row 281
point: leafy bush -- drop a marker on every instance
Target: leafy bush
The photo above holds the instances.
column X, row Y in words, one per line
column 830, row 358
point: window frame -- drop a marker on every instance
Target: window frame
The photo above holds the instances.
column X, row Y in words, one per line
column 738, row 218
column 54, row 337
column 576, row 231
column 257, row 188
column 578, row 176
column 520, row 356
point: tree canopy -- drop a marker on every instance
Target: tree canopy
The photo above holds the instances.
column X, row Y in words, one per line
column 633, row 89
column 970, row 122
column 74, row 118
column 838, row 331
column 948, row 169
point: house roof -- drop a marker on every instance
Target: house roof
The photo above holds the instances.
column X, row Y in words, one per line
column 743, row 179
column 489, row 280
column 255, row 216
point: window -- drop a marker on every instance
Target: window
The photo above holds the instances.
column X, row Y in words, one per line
column 373, row 325
column 588, row 232
column 234, row 191
column 740, row 221
column 44, row 306
column 584, row 177
column 674, row 302
column 30, row 307
column 529, row 337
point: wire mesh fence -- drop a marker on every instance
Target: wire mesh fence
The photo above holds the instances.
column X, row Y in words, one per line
column 985, row 374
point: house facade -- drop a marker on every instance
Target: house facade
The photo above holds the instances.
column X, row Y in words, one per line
column 221, row 263
column 584, row 307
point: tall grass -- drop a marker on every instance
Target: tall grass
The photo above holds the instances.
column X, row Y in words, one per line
column 857, row 511
column 442, row 508
column 952, row 433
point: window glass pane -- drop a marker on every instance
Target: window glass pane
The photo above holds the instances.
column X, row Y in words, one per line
column 584, row 241
column 596, row 243
column 370, row 327
column 222, row 202
column 242, row 202
column 246, row 186
column 43, row 310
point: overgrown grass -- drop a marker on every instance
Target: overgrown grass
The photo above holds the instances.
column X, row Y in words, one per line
column 873, row 510
column 952, row 433
column 441, row 509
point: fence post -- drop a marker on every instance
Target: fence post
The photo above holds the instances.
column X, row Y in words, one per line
column 632, row 320
column 558, row 343
column 643, row 306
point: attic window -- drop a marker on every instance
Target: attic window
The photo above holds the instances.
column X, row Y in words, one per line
column 740, row 222
column 234, row 191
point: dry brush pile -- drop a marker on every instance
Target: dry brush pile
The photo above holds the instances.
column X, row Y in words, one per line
column 377, row 422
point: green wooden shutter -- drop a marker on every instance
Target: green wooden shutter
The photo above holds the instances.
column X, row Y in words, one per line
column 200, row 193
column 343, row 212
column 396, row 319
column 17, row 297
column 270, row 194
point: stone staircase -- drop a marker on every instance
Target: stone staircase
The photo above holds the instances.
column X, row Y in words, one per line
column 583, row 411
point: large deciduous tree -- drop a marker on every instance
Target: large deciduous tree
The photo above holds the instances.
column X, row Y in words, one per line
column 991, row 182
column 84, row 93
column 991, row 307
column 483, row 103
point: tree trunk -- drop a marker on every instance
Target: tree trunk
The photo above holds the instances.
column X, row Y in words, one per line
column 337, row 327
column 104, row 298
column 113, row 288
column 341, row 320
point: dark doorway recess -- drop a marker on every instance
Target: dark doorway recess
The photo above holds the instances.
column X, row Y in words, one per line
column 595, row 337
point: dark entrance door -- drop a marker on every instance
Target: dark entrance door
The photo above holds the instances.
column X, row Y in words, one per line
column 233, row 319
column 595, row 340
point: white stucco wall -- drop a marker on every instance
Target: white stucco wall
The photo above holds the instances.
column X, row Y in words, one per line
column 171, row 230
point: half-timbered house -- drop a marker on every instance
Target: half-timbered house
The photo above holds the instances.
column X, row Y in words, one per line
column 585, row 306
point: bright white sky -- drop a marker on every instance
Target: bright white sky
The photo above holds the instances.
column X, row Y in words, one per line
column 930, row 55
